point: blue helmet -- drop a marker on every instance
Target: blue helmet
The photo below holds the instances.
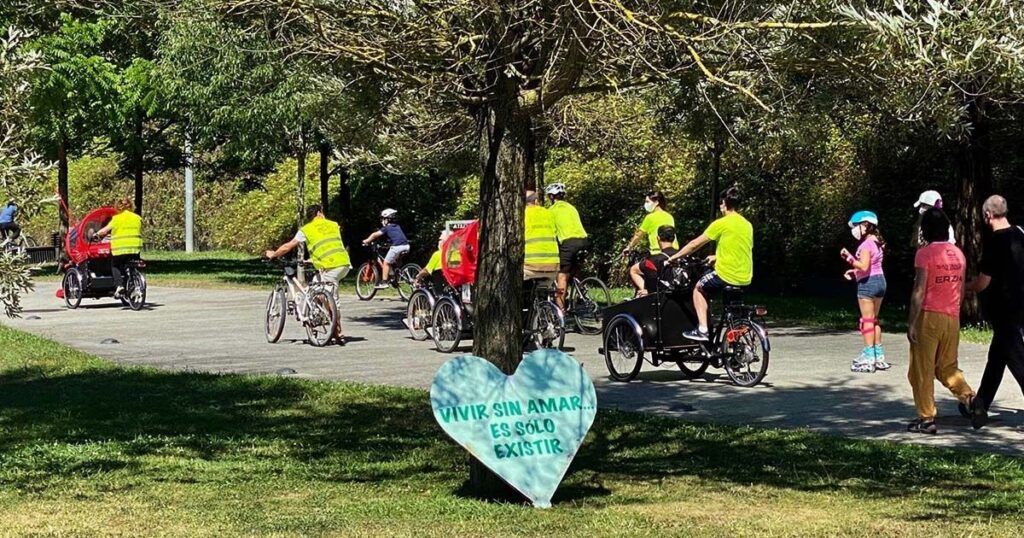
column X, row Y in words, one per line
column 863, row 216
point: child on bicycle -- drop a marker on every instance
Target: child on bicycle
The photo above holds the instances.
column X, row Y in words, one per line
column 867, row 271
column 396, row 237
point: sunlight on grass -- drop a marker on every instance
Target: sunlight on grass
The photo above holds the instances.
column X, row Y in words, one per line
column 87, row 447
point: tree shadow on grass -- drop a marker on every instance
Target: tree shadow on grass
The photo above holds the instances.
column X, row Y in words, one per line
column 113, row 417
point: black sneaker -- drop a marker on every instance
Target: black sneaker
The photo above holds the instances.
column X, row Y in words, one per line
column 921, row 425
column 696, row 334
column 979, row 415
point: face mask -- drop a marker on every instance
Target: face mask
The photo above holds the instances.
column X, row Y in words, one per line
column 649, row 206
column 857, row 233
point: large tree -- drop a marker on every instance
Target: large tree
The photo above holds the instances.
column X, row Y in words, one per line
column 507, row 64
column 23, row 174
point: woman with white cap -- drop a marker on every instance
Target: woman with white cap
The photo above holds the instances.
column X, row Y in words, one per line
column 867, row 271
column 928, row 200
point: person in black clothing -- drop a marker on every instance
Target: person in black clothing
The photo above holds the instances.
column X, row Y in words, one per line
column 646, row 273
column 1000, row 287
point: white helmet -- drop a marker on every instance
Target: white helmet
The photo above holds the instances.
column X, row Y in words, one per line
column 555, row 188
column 388, row 213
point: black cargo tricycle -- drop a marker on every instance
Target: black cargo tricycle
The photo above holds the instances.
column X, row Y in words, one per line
column 651, row 327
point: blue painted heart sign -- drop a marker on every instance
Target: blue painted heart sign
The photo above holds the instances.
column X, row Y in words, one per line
column 525, row 427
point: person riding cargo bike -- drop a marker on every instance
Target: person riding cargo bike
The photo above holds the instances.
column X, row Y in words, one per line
column 326, row 250
column 125, row 230
column 733, row 260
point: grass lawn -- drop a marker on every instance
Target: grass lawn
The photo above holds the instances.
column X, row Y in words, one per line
column 88, row 448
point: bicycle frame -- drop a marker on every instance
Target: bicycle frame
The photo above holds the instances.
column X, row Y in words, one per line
column 296, row 289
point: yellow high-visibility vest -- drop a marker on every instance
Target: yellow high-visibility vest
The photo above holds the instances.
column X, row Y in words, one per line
column 541, row 248
column 125, row 234
column 323, row 240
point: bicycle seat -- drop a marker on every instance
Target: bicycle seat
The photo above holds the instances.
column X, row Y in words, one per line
column 732, row 295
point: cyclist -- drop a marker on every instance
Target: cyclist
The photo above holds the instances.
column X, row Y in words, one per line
column 657, row 216
column 125, row 230
column 395, row 235
column 540, row 260
column 9, row 230
column 572, row 238
column 434, row 263
column 733, row 260
column 649, row 271
column 326, row 250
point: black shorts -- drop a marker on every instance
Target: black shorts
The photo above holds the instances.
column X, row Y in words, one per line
column 567, row 252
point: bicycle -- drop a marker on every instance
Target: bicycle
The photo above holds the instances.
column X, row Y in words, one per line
column 17, row 246
column 585, row 298
column 368, row 277
column 544, row 321
column 313, row 306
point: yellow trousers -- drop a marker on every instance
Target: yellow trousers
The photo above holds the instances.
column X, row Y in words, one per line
column 934, row 356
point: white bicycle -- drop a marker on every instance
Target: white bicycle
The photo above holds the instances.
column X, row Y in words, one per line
column 312, row 305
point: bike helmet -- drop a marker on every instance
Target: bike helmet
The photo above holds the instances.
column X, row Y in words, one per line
column 863, row 216
column 388, row 213
column 555, row 188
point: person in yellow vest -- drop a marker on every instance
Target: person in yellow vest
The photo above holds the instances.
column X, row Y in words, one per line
column 541, row 245
column 125, row 230
column 572, row 237
column 325, row 248
column 657, row 216
column 434, row 263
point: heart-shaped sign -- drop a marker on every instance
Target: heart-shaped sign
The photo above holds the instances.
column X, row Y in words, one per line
column 526, row 427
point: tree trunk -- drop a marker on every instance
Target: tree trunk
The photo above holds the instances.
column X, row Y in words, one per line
column 507, row 154
column 300, row 198
column 62, row 183
column 345, row 204
column 974, row 185
column 138, row 163
column 717, row 149
column 325, row 178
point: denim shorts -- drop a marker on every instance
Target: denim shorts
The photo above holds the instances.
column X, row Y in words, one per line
column 872, row 287
column 395, row 252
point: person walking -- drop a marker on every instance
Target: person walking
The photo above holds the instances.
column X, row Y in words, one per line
column 1000, row 287
column 867, row 271
column 934, row 322
column 928, row 200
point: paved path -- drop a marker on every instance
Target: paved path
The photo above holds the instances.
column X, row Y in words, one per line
column 808, row 384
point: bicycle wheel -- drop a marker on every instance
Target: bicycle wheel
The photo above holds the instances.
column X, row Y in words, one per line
column 28, row 242
column 586, row 304
column 72, row 286
column 623, row 349
column 135, row 289
column 320, row 318
column 367, row 279
column 746, row 360
column 446, row 325
column 277, row 311
column 547, row 326
column 407, row 280
column 418, row 314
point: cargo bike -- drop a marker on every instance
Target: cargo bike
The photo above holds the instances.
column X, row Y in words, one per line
column 443, row 309
column 88, row 272
column 650, row 328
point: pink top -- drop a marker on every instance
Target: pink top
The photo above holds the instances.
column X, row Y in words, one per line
column 875, row 255
column 944, row 264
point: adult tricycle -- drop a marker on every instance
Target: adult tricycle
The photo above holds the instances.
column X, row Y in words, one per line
column 88, row 272
column 651, row 327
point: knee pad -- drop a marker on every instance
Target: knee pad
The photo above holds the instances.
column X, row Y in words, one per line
column 867, row 325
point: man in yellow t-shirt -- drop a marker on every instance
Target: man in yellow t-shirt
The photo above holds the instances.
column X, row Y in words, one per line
column 434, row 263
column 572, row 237
column 733, row 258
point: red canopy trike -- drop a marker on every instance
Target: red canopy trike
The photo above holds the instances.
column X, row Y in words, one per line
column 88, row 271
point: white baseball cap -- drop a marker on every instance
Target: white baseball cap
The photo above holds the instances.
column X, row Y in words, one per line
column 931, row 198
